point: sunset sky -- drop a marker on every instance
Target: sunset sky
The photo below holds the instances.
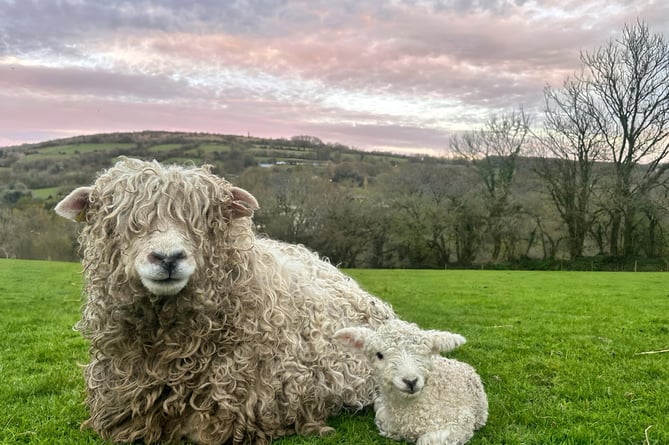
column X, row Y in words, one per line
column 398, row 75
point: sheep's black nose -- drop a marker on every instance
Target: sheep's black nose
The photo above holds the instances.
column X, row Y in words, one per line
column 411, row 384
column 167, row 261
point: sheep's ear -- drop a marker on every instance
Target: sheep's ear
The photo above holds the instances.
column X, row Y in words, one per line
column 74, row 205
column 443, row 341
column 353, row 337
column 243, row 203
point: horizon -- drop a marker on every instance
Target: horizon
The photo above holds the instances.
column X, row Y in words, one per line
column 70, row 140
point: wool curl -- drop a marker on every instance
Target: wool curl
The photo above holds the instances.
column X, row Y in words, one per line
column 423, row 398
column 244, row 352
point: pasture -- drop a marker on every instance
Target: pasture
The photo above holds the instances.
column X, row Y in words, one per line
column 558, row 352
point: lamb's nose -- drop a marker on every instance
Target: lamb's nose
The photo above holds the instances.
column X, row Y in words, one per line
column 167, row 261
column 411, row 384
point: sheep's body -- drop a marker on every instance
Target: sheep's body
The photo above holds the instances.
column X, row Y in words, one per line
column 423, row 397
column 450, row 407
column 200, row 330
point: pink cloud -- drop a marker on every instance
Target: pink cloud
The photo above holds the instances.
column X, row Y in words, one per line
column 373, row 73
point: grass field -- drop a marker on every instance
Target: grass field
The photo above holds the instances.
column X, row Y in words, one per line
column 67, row 150
column 557, row 351
column 45, row 193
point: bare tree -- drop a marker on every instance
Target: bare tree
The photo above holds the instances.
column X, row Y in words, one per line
column 344, row 226
column 466, row 227
column 569, row 146
column 628, row 98
column 288, row 201
column 421, row 195
column 493, row 151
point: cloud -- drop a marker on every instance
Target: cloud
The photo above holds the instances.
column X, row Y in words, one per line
column 402, row 72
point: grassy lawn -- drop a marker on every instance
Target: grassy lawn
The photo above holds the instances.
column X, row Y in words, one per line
column 557, row 352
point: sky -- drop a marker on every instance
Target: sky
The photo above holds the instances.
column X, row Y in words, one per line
column 392, row 75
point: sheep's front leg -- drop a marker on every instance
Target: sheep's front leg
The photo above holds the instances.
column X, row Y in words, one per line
column 448, row 436
column 315, row 428
column 383, row 420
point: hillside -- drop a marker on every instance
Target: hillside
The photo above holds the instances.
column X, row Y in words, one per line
column 287, row 176
column 46, row 167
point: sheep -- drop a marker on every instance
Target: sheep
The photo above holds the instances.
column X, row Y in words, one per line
column 200, row 329
column 422, row 397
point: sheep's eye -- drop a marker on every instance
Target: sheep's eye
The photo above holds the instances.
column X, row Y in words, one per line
column 379, row 356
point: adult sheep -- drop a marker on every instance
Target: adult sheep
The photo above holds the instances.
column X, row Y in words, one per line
column 200, row 330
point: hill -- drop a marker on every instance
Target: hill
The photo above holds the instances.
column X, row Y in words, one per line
column 45, row 167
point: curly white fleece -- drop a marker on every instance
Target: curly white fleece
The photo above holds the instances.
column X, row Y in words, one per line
column 423, row 397
column 199, row 330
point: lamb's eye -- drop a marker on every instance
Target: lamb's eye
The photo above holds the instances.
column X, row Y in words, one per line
column 379, row 356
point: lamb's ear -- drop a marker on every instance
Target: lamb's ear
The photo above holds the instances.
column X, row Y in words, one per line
column 354, row 338
column 74, row 205
column 443, row 341
column 243, row 203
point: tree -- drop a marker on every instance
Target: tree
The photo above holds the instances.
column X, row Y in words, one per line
column 493, row 151
column 33, row 232
column 288, row 201
column 568, row 147
column 467, row 228
column 343, row 226
column 306, row 140
column 421, row 195
column 628, row 98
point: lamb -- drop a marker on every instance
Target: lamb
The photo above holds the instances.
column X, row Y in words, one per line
column 423, row 397
column 199, row 329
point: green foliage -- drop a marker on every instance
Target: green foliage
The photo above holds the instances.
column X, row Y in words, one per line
column 32, row 232
column 557, row 352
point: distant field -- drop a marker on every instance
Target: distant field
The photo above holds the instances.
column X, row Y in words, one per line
column 557, row 352
column 67, row 150
column 164, row 147
column 45, row 193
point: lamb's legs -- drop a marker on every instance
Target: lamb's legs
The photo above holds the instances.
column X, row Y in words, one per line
column 448, row 436
column 456, row 433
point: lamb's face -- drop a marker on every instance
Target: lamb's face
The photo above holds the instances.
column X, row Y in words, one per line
column 161, row 221
column 400, row 352
column 402, row 365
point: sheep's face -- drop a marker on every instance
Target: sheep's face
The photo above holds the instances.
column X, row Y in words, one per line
column 158, row 223
column 164, row 260
column 400, row 353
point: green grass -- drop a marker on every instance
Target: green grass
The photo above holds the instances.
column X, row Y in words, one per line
column 59, row 152
column 41, row 387
column 45, row 193
column 164, row 147
column 556, row 351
